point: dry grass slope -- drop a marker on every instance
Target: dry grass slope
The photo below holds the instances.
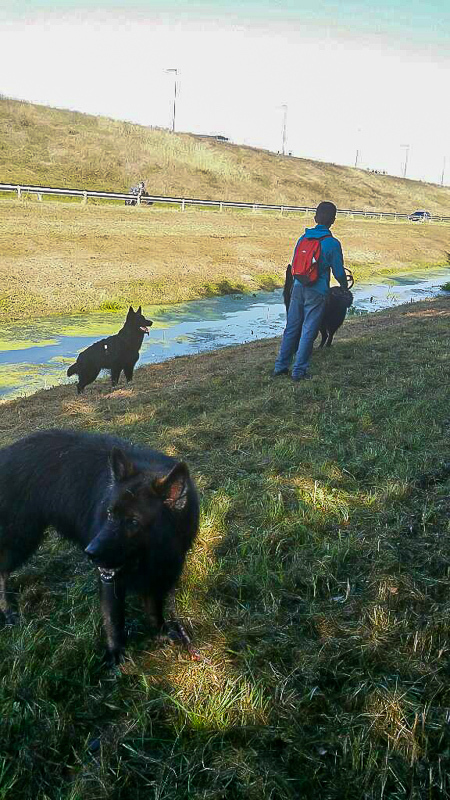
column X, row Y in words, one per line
column 41, row 145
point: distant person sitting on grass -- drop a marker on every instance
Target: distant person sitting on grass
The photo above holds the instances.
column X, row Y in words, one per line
column 316, row 252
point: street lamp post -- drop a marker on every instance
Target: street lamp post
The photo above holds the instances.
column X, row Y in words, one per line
column 175, row 71
column 443, row 172
column 285, row 108
column 406, row 146
column 358, row 145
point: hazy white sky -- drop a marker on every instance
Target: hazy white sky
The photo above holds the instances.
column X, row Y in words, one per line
column 350, row 81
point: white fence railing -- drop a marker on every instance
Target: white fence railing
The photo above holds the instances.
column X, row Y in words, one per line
column 191, row 201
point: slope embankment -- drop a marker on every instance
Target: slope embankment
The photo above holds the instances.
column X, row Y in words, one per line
column 317, row 591
column 53, row 147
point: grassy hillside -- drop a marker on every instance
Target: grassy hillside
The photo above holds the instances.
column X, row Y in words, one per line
column 41, row 145
column 318, row 590
column 59, row 257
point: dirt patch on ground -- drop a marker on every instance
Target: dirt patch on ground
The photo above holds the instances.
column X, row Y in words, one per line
column 61, row 257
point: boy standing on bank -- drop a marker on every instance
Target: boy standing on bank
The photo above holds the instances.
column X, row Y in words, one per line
column 316, row 253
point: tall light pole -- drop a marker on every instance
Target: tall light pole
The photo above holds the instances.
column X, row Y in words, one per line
column 284, row 107
column 358, row 152
column 443, row 172
column 175, row 71
column 406, row 146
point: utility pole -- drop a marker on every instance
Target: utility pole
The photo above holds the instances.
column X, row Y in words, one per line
column 175, row 71
column 285, row 108
column 358, row 146
column 406, row 146
column 443, row 173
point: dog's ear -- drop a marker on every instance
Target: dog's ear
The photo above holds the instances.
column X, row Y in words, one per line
column 130, row 311
column 173, row 488
column 139, row 311
column 122, row 468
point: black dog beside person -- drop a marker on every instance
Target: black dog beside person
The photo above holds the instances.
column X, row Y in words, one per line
column 133, row 510
column 336, row 305
column 338, row 301
column 116, row 353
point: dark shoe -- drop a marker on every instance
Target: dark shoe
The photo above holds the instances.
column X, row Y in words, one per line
column 302, row 377
column 276, row 374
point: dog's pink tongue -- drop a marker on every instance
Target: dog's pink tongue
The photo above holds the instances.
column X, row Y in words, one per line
column 146, row 330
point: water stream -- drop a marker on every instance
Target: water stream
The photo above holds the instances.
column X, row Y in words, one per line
column 36, row 354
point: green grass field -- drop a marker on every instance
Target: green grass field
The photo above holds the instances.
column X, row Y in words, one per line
column 318, row 589
column 317, row 592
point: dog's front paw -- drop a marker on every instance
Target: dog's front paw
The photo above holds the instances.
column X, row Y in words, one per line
column 113, row 658
column 175, row 632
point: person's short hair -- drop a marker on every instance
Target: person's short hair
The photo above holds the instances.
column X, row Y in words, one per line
column 325, row 213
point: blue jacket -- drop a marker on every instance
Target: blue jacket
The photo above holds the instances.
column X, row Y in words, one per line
column 331, row 258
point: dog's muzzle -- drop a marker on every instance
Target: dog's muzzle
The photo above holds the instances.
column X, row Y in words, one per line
column 107, row 575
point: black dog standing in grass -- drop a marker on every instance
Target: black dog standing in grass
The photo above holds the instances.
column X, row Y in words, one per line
column 116, row 353
column 133, row 510
column 336, row 305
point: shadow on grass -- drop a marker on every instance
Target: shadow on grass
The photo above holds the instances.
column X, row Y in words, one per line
column 317, row 590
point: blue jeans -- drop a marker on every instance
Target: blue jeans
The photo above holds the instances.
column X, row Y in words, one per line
column 304, row 315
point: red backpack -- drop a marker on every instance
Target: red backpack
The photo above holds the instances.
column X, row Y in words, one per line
column 305, row 264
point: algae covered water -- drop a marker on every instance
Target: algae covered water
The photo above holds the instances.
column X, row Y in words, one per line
column 36, row 354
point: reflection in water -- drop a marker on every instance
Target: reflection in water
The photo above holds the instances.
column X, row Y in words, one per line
column 36, row 354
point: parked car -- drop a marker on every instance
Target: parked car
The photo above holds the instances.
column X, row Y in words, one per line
column 420, row 216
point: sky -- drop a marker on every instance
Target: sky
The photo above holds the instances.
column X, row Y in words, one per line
column 365, row 83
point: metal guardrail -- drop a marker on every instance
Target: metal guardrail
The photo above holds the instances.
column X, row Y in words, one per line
column 191, row 201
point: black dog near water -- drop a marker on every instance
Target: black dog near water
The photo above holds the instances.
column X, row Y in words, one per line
column 133, row 510
column 116, row 353
column 335, row 311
